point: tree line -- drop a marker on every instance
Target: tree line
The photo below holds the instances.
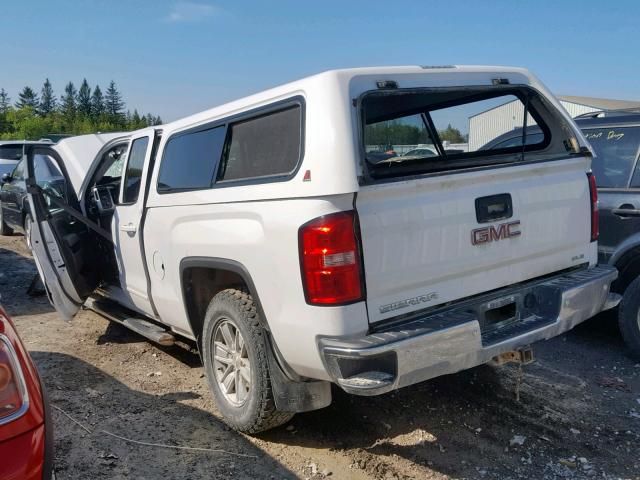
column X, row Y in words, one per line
column 396, row 133
column 76, row 111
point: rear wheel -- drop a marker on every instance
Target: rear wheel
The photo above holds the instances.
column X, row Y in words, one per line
column 234, row 350
column 629, row 317
column 4, row 228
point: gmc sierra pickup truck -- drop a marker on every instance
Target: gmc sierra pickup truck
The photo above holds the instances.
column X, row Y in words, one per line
column 298, row 238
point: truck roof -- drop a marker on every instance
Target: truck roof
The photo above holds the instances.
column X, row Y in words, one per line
column 342, row 78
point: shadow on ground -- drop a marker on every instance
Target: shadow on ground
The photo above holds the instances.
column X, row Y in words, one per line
column 16, row 274
column 110, row 405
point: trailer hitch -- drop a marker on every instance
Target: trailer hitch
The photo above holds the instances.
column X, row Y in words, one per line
column 522, row 356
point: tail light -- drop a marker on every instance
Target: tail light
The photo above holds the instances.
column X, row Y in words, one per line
column 593, row 191
column 13, row 390
column 330, row 260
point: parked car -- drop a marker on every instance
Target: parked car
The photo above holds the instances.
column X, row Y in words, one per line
column 14, row 209
column 10, row 155
column 26, row 439
column 420, row 152
column 615, row 138
column 263, row 231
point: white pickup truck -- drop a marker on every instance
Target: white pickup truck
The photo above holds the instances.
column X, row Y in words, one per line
column 288, row 235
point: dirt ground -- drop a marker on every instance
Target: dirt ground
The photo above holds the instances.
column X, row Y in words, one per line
column 578, row 415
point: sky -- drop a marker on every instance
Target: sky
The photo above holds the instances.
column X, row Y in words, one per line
column 174, row 58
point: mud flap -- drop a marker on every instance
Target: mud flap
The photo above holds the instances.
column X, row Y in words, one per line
column 291, row 396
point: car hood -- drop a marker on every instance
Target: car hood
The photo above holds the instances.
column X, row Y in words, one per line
column 79, row 154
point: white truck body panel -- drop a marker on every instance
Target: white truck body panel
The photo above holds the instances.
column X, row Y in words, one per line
column 415, row 233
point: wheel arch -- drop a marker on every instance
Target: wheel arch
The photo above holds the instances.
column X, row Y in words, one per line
column 203, row 277
column 627, row 261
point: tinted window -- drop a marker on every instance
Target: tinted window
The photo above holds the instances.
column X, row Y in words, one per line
column 6, row 167
column 189, row 160
column 20, row 171
column 412, row 132
column 11, row 152
column 531, row 139
column 616, row 149
column 48, row 176
column 45, row 168
column 264, row 146
column 133, row 175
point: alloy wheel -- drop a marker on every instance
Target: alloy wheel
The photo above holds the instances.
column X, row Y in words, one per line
column 231, row 362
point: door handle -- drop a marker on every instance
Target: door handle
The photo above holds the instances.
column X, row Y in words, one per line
column 626, row 212
column 129, row 228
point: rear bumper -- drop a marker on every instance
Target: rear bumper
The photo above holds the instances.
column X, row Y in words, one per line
column 465, row 336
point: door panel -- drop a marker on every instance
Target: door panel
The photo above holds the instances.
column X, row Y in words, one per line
column 13, row 194
column 126, row 227
column 61, row 245
column 619, row 219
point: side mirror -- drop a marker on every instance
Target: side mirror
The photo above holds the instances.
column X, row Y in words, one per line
column 6, row 178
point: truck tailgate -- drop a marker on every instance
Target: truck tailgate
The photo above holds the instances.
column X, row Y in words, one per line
column 419, row 245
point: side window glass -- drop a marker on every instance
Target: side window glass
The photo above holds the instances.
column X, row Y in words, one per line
column 264, row 146
column 48, row 176
column 616, row 150
column 635, row 180
column 19, row 171
column 189, row 160
column 133, row 174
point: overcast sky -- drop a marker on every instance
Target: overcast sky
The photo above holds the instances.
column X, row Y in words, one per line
column 174, row 58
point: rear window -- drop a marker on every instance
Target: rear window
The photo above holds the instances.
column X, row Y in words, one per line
column 430, row 130
column 11, row 152
column 269, row 145
column 616, row 151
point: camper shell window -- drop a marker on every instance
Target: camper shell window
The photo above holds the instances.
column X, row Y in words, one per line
column 422, row 131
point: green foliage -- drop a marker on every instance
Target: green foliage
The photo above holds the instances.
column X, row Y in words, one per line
column 48, row 103
column 78, row 112
column 27, row 99
column 452, row 135
column 394, row 132
column 84, row 99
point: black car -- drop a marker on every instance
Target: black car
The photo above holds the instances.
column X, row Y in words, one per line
column 615, row 138
column 14, row 208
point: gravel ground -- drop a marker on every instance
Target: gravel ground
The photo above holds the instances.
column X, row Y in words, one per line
column 578, row 415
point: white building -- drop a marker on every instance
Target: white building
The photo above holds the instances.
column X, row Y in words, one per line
column 487, row 125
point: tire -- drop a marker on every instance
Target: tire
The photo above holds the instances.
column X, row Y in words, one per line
column 246, row 408
column 4, row 228
column 629, row 317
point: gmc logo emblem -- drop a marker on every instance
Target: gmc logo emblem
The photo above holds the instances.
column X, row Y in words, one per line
column 493, row 233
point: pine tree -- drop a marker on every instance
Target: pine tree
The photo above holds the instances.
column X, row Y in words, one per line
column 27, row 99
column 97, row 104
column 157, row 120
column 135, row 119
column 48, row 101
column 5, row 101
column 68, row 107
column 113, row 104
column 84, row 99
column 149, row 119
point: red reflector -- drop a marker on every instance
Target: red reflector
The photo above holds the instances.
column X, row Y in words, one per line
column 12, row 387
column 593, row 191
column 330, row 260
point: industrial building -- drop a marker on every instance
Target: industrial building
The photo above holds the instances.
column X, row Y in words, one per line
column 487, row 125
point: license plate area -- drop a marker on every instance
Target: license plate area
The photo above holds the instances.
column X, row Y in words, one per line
column 499, row 312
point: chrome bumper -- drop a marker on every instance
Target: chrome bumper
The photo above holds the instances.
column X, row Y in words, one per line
column 464, row 335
